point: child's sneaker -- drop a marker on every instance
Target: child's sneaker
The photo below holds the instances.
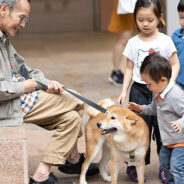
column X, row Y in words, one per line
column 162, row 175
column 116, row 77
column 131, row 172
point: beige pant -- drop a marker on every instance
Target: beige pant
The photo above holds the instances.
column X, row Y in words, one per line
column 63, row 113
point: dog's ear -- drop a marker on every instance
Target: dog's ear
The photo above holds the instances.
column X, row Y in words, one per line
column 132, row 121
column 133, row 118
column 105, row 103
column 92, row 112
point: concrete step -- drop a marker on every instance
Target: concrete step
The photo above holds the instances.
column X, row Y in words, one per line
column 13, row 156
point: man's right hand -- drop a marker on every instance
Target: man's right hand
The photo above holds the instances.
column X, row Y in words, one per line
column 29, row 85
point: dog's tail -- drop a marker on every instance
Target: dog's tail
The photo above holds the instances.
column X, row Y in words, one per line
column 92, row 112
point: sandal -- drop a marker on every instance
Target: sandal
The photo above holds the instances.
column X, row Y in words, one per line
column 162, row 175
column 131, row 172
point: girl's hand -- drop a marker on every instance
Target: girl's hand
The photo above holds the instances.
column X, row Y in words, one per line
column 176, row 126
column 135, row 107
column 121, row 98
column 55, row 87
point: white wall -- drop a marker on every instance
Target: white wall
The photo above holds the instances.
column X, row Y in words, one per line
column 172, row 16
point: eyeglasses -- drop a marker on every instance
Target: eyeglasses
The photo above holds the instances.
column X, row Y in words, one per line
column 23, row 19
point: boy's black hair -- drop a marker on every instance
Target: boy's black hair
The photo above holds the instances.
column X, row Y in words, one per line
column 156, row 67
column 180, row 7
column 146, row 4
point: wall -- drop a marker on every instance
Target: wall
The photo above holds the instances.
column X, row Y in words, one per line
column 61, row 16
column 172, row 16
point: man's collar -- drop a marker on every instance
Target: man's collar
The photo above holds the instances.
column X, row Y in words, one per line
column 167, row 89
column 1, row 34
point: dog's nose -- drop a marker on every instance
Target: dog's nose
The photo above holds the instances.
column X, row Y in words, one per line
column 98, row 125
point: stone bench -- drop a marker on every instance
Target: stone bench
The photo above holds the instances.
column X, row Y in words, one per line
column 13, row 156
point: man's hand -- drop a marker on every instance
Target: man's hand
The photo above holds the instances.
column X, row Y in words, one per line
column 135, row 107
column 176, row 126
column 55, row 87
column 29, row 85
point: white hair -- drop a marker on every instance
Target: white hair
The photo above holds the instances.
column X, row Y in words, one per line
column 10, row 3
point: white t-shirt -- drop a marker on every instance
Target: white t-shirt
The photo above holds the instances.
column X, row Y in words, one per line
column 136, row 50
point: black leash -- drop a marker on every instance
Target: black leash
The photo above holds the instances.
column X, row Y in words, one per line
column 85, row 100
column 24, row 72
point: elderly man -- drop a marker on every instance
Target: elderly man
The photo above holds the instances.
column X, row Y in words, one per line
column 22, row 99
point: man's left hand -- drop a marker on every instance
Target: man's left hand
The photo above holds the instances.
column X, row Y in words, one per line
column 55, row 87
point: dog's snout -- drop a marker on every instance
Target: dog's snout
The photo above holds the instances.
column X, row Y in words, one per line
column 99, row 124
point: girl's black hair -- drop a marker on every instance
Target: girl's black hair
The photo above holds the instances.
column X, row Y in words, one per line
column 146, row 4
column 181, row 6
column 156, row 67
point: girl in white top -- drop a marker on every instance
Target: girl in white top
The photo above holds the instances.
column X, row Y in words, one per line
column 148, row 16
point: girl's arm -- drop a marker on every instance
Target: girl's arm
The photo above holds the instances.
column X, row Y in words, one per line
column 126, row 82
column 175, row 66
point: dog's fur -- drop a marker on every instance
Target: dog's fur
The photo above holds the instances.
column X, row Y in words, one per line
column 122, row 131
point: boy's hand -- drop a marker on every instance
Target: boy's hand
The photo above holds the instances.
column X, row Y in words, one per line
column 135, row 107
column 176, row 126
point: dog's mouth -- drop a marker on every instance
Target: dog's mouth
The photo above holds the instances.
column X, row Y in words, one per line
column 109, row 131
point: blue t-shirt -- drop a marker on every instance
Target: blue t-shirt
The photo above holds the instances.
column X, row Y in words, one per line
column 178, row 39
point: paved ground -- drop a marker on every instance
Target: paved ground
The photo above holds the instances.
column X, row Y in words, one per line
column 81, row 61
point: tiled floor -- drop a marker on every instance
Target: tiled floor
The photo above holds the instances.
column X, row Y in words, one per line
column 81, row 61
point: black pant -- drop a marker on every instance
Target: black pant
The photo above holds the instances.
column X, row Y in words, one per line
column 142, row 96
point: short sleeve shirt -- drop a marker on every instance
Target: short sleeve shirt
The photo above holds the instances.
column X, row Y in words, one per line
column 136, row 50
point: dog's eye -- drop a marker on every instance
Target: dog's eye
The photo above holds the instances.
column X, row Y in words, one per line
column 113, row 118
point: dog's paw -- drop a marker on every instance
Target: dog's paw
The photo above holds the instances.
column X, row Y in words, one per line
column 107, row 178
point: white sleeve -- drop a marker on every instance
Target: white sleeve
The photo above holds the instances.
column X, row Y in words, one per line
column 171, row 48
column 128, row 51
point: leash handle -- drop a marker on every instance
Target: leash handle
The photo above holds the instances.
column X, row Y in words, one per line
column 45, row 87
column 25, row 73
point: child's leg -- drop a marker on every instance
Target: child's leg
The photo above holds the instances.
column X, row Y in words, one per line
column 177, row 165
column 142, row 96
column 164, row 157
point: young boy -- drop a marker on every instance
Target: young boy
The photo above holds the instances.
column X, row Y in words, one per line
column 168, row 105
column 178, row 39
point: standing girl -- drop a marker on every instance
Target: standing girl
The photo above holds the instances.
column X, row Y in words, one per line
column 147, row 16
column 124, row 26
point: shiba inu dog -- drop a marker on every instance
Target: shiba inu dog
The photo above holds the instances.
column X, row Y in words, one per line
column 121, row 134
